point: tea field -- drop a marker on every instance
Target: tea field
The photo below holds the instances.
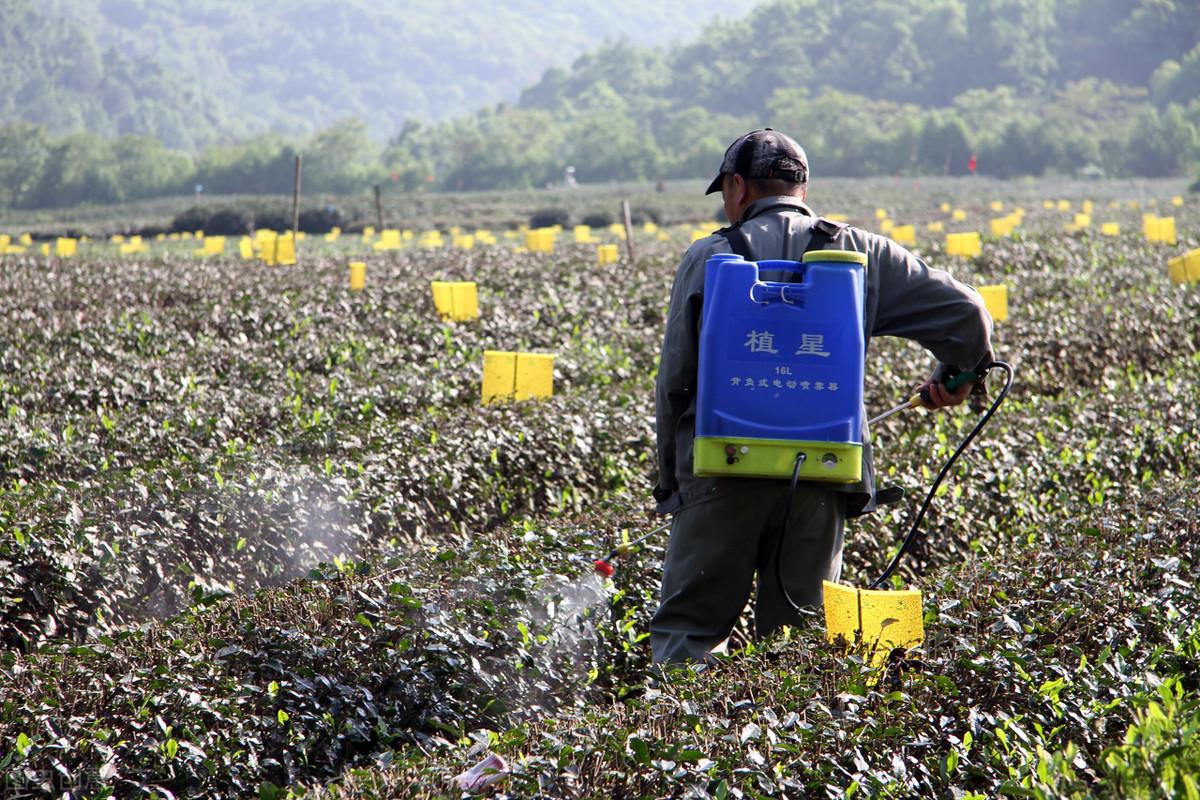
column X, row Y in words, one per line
column 260, row 537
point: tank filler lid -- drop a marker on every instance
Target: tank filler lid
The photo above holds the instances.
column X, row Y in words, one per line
column 846, row 256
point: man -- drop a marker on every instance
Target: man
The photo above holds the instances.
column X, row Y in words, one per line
column 725, row 529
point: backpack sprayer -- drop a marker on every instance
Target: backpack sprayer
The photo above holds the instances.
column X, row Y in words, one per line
column 780, row 389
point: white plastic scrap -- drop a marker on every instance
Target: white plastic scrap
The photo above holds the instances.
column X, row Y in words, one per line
column 483, row 774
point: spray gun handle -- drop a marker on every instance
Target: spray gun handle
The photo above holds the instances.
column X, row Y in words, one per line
column 951, row 383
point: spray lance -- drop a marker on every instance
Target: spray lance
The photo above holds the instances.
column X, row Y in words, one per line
column 922, row 398
column 604, row 566
column 915, row 401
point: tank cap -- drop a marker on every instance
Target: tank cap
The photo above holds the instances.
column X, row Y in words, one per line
column 845, row 256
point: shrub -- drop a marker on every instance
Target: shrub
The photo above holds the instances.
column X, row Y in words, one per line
column 548, row 217
column 598, row 219
column 272, row 220
column 193, row 219
column 643, row 214
column 320, row 220
column 229, row 222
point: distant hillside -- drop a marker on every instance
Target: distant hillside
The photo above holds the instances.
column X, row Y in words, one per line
column 925, row 52
column 192, row 73
column 879, row 87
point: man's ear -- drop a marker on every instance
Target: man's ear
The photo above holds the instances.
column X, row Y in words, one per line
column 741, row 191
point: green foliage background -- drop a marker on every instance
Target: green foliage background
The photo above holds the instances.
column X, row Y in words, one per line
column 902, row 87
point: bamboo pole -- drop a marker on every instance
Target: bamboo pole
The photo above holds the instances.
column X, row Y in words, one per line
column 628, row 230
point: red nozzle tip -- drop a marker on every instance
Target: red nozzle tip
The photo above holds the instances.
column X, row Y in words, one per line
column 604, row 568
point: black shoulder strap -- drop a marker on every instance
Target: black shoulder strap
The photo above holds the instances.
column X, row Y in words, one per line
column 824, row 232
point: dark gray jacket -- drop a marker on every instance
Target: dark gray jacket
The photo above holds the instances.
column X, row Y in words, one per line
column 904, row 298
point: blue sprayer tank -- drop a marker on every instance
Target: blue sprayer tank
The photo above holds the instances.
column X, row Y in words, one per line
column 781, row 367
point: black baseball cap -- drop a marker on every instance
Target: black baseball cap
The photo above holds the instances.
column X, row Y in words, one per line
column 765, row 153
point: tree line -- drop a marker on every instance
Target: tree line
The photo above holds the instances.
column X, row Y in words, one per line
column 504, row 148
column 906, row 87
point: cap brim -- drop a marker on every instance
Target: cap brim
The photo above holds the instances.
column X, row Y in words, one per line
column 715, row 186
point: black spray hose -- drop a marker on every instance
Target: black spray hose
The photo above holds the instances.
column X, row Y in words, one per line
column 912, row 533
column 787, row 517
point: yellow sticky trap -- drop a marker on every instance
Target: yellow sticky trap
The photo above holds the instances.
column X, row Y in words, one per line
column 499, row 375
column 1087, row 206
column 1048, row 204
column 1166, row 230
column 116, row 238
column 441, row 298
column 213, row 246
column 65, row 248
column 456, row 300
column 997, row 205
column 996, row 300
column 45, row 249
column 431, row 240
column 936, row 227
column 25, row 240
column 535, row 375
column 617, row 229
column 1159, row 229
column 389, row 239
column 698, row 234
column 1002, row 226
column 650, row 227
column 266, row 248
column 583, row 234
column 945, row 207
column 881, row 213
column 607, row 254
column 958, row 215
column 1177, row 269
column 967, row 245
column 285, row 250
column 1110, row 229
column 1192, row 265
column 905, row 235
column 540, row 240
column 517, row 376
column 880, row 621
column 1177, row 200
column 358, row 276
column 368, row 232
column 1083, row 221
column 245, row 248
column 1064, row 205
column 886, row 225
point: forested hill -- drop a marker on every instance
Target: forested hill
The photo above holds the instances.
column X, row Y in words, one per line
column 870, row 87
column 910, row 86
column 191, row 73
column 926, row 52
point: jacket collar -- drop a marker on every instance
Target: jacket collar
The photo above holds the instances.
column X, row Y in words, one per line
column 764, row 204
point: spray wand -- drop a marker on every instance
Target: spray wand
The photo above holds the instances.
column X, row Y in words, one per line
column 604, row 566
column 912, row 402
column 923, row 397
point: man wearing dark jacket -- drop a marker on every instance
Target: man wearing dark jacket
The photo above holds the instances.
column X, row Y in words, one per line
column 724, row 529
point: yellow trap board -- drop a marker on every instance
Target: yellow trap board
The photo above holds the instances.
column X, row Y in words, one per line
column 517, row 376
column 880, row 620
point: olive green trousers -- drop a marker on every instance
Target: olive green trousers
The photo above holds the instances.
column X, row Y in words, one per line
column 717, row 545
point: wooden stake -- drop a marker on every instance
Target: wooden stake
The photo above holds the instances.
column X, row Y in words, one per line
column 378, row 209
column 628, row 230
column 296, row 202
